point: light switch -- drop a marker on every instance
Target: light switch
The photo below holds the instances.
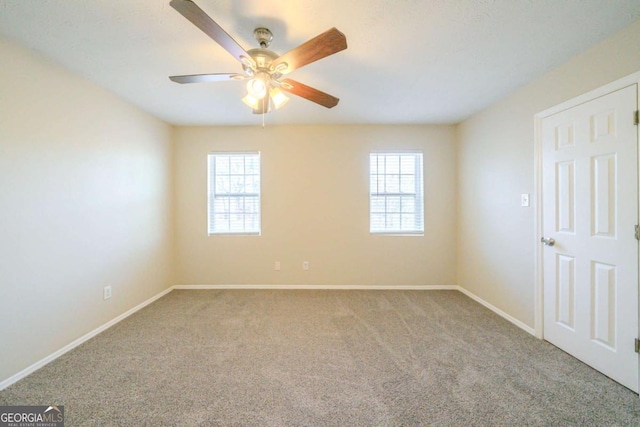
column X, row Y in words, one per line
column 524, row 200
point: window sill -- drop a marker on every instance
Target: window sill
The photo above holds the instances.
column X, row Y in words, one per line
column 397, row 233
column 235, row 234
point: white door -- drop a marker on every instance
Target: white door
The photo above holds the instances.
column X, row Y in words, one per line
column 590, row 209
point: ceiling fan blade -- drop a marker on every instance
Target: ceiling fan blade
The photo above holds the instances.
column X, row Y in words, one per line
column 200, row 19
column 327, row 43
column 204, row 78
column 309, row 93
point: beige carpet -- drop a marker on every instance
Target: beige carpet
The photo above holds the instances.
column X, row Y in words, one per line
column 322, row 358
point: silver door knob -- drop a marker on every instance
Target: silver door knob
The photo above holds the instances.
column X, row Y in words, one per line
column 548, row 242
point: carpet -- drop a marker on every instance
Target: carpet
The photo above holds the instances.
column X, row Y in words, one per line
column 322, row 358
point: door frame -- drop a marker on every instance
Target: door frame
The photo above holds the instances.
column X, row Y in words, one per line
column 537, row 190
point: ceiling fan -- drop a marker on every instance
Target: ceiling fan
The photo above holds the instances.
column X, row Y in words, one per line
column 263, row 68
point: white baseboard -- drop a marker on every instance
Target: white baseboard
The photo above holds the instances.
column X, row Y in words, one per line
column 6, row 383
column 39, row 364
column 499, row 312
column 328, row 287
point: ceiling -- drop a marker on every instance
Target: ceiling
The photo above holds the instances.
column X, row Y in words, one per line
column 408, row 61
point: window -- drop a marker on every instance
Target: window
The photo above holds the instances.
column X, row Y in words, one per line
column 396, row 199
column 234, row 193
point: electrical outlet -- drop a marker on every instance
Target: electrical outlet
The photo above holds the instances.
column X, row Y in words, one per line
column 524, row 200
column 305, row 265
column 106, row 292
column 276, row 266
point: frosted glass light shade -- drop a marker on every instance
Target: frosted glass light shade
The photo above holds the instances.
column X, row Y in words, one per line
column 257, row 87
column 278, row 98
column 251, row 101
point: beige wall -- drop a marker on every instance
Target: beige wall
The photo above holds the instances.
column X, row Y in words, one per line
column 85, row 202
column 496, row 164
column 315, row 205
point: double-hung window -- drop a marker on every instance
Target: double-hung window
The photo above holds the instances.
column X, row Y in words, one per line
column 396, row 194
column 234, row 193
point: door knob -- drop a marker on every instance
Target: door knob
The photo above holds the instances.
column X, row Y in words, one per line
column 548, row 242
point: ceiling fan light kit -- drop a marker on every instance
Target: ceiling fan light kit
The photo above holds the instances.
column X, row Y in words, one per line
column 262, row 68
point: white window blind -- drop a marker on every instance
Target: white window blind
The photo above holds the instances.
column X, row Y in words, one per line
column 234, row 193
column 396, row 194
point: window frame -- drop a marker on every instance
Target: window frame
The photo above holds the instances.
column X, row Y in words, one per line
column 418, row 194
column 211, row 194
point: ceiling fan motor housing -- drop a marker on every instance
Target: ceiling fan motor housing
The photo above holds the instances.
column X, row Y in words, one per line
column 263, row 57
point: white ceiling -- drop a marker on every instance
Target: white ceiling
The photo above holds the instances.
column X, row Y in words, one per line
column 407, row 61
